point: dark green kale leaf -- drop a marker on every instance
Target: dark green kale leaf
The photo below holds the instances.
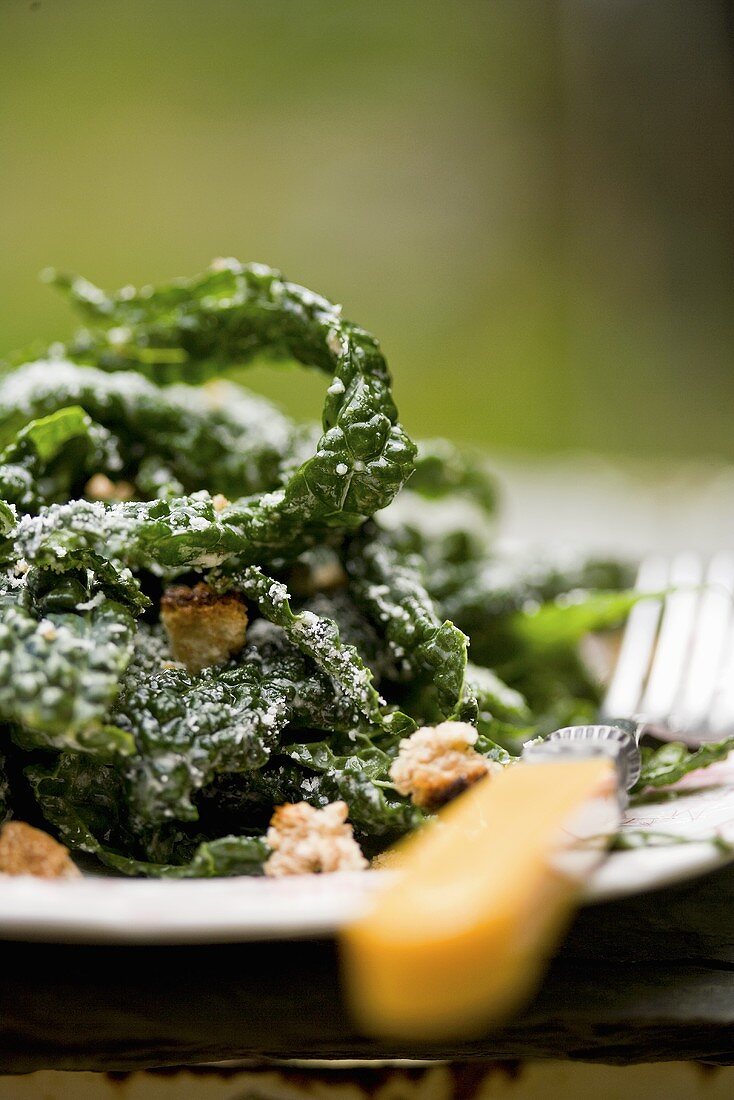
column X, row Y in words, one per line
column 50, row 455
column 542, row 658
column 319, row 638
column 85, row 804
column 218, row 437
column 183, row 531
column 186, row 729
column 316, row 701
column 526, row 621
column 388, row 584
column 60, row 672
column 668, row 763
column 195, row 328
column 360, row 778
column 480, row 592
column 347, row 766
column 355, row 629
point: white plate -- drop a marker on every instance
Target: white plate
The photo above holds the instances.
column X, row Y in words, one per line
column 113, row 910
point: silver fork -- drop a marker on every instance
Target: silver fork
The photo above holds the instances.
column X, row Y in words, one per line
column 674, row 674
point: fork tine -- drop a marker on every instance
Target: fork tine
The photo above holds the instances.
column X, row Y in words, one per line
column 674, row 639
column 711, row 641
column 626, row 686
column 721, row 715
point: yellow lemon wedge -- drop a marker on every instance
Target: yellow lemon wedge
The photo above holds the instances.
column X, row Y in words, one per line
column 461, row 935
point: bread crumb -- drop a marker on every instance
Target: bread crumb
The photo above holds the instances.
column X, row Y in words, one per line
column 305, row 840
column 204, row 629
column 437, row 763
column 28, row 851
column 100, row 487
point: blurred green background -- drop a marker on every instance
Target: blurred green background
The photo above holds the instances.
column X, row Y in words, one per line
column 529, row 201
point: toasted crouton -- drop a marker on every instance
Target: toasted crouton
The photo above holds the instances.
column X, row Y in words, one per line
column 305, row 840
column 28, row 851
column 437, row 763
column 203, row 628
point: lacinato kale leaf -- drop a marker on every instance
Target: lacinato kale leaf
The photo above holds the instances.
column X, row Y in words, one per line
column 319, row 638
column 50, row 455
column 85, row 804
column 360, row 778
column 188, row 728
column 218, row 437
column 60, row 673
column 670, row 762
column 388, row 584
column 193, row 329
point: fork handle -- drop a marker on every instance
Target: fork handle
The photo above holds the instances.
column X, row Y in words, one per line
column 481, row 896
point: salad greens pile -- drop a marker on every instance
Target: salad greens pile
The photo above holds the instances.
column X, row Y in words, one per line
column 360, row 606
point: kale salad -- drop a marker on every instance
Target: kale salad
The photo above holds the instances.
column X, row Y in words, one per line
column 231, row 643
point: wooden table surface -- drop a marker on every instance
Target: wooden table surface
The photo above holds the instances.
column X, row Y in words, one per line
column 646, row 979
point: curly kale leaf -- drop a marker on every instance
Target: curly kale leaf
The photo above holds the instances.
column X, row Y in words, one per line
column 60, row 673
column 183, row 531
column 665, row 765
column 361, row 778
column 194, row 328
column 388, row 585
column 186, row 729
column 317, row 702
column 51, row 455
column 319, row 638
column 85, row 805
column 218, row 436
